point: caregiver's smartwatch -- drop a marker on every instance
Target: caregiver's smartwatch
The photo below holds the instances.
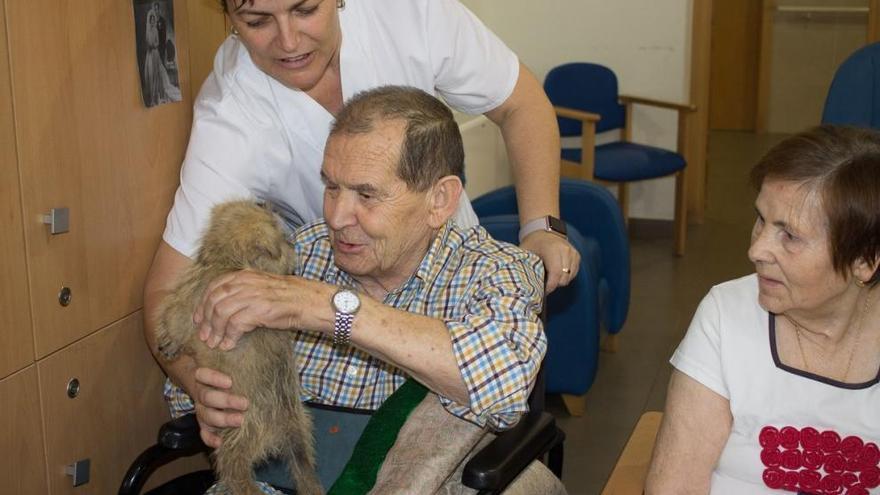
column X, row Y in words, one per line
column 547, row 223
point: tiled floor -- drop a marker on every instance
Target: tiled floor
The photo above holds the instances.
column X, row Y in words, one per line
column 665, row 293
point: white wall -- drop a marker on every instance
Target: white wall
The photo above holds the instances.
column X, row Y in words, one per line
column 645, row 42
column 486, row 166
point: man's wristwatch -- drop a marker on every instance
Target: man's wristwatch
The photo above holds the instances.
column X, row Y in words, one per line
column 346, row 303
column 548, row 224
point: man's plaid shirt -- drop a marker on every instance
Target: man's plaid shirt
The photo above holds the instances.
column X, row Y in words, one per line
column 488, row 293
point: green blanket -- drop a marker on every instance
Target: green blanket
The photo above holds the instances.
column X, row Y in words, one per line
column 378, row 437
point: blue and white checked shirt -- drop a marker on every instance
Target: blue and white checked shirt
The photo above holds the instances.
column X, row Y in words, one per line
column 487, row 292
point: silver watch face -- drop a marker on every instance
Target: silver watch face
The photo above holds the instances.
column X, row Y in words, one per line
column 346, row 302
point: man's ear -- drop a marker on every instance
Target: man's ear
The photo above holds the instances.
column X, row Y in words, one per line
column 443, row 200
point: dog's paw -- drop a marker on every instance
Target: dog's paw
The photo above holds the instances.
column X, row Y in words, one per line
column 168, row 350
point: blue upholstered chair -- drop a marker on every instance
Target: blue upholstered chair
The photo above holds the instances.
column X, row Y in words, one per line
column 586, row 101
column 598, row 296
column 854, row 95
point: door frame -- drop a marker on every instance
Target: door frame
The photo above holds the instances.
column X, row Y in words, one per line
column 696, row 131
column 768, row 9
column 697, row 125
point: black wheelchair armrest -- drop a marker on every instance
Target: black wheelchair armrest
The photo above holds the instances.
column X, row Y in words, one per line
column 499, row 462
column 177, row 438
column 181, row 434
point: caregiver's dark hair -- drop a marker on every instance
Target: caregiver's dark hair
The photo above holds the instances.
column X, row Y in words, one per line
column 237, row 4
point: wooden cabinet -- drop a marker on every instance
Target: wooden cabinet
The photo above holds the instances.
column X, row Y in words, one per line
column 116, row 413
column 16, row 340
column 23, row 470
column 86, row 142
column 74, row 133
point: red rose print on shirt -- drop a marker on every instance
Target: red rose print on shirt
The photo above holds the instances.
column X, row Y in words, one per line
column 870, row 477
column 834, row 463
column 769, row 437
column 813, row 459
column 810, row 438
column 851, row 447
column 829, row 441
column 809, row 479
column 789, row 437
column 822, row 463
column 849, row 479
column 869, row 456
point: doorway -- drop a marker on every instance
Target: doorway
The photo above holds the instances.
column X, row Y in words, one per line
column 773, row 60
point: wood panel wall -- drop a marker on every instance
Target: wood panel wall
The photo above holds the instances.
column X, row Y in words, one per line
column 16, row 337
column 207, row 29
column 74, row 133
column 87, row 143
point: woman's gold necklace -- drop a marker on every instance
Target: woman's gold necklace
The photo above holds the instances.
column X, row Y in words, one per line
column 852, row 353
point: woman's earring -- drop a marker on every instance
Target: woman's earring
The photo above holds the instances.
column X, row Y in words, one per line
column 340, row 4
column 233, row 30
column 860, row 283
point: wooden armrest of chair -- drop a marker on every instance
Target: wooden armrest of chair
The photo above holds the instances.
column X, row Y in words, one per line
column 628, row 477
column 571, row 113
column 681, row 107
column 584, row 169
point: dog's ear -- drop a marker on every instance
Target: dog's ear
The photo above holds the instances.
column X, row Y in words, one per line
column 243, row 234
column 269, row 250
column 263, row 256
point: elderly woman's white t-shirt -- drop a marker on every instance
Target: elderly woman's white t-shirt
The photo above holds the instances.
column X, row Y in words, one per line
column 791, row 430
column 253, row 138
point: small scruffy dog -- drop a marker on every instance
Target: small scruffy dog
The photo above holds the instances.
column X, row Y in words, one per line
column 262, row 364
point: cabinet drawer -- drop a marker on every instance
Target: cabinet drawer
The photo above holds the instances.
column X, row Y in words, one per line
column 114, row 416
column 23, row 470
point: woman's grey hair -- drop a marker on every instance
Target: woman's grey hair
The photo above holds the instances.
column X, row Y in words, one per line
column 432, row 147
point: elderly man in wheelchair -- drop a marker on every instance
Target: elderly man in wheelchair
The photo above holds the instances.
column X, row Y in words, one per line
column 387, row 288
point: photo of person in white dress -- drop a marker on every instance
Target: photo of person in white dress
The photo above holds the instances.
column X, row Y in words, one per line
column 156, row 53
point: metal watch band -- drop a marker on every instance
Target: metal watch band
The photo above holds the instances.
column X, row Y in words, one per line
column 342, row 329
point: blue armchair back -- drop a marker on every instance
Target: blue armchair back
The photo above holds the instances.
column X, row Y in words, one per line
column 854, row 95
column 598, row 296
column 593, row 211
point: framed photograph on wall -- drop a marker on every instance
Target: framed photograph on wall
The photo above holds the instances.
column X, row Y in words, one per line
column 156, row 51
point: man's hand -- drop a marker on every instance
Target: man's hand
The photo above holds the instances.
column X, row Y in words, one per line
column 238, row 302
column 561, row 259
column 216, row 408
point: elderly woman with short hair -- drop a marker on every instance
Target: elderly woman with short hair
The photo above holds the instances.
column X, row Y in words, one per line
column 775, row 386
